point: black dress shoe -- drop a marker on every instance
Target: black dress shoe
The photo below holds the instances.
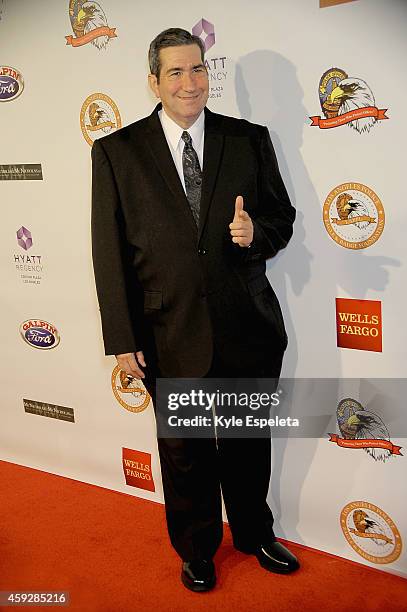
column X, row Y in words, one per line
column 275, row 557
column 198, row 575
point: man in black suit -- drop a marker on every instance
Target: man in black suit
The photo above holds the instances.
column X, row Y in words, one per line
column 187, row 207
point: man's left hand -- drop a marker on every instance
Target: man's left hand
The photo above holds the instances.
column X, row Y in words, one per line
column 241, row 228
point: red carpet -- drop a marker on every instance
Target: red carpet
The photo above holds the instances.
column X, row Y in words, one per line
column 111, row 552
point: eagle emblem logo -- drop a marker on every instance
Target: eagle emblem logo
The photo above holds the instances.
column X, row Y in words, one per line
column 371, row 532
column 346, row 101
column 362, row 428
column 129, row 392
column 353, row 216
column 99, row 116
column 89, row 25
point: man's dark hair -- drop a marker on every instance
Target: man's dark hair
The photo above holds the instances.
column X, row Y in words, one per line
column 173, row 37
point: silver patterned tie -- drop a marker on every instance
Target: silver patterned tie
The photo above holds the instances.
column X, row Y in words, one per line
column 192, row 176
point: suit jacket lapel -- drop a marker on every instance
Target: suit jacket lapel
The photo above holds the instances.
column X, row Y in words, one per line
column 161, row 154
column 213, row 147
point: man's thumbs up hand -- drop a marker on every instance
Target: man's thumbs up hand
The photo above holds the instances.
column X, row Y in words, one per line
column 241, row 228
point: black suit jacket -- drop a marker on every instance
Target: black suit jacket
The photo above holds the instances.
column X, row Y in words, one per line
column 172, row 290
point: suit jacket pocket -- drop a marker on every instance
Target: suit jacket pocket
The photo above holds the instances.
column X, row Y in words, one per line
column 153, row 300
column 267, row 305
column 257, row 285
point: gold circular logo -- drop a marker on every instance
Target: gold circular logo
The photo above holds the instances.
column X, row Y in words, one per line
column 129, row 392
column 99, row 116
column 371, row 532
column 353, row 216
column 327, row 85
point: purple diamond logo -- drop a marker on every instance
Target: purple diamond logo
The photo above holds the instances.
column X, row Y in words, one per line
column 206, row 32
column 24, row 238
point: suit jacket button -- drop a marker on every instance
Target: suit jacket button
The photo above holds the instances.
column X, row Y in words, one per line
column 202, row 251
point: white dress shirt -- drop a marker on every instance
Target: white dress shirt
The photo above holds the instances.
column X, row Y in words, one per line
column 173, row 132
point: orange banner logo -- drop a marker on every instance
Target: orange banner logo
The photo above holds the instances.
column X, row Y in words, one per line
column 362, row 427
column 348, row 101
column 89, row 25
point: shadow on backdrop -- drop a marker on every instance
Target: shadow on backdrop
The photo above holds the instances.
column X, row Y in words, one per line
column 268, row 92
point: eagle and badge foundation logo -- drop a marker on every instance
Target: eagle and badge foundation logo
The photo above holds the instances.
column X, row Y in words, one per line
column 89, row 25
column 353, row 216
column 362, row 428
column 99, row 116
column 129, row 391
column 346, row 101
column 371, row 532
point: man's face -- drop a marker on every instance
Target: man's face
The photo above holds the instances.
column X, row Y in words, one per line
column 183, row 86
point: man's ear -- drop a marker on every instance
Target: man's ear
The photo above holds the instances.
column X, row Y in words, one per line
column 152, row 81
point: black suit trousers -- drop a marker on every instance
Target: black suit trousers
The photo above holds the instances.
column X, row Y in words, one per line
column 196, row 470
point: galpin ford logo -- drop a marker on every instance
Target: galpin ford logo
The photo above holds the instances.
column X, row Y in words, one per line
column 39, row 334
column 346, row 100
column 353, row 216
column 371, row 532
column 99, row 116
column 89, row 24
column 11, row 83
column 361, row 428
column 129, row 391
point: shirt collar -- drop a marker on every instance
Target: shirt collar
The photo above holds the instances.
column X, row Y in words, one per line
column 173, row 131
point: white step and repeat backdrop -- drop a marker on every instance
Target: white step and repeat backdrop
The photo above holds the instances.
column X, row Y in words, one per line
column 329, row 83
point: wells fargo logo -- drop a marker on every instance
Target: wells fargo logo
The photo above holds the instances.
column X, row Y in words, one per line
column 371, row 532
column 346, row 100
column 89, row 24
column 129, row 391
column 99, row 116
column 353, row 216
column 137, row 469
column 359, row 324
column 361, row 428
